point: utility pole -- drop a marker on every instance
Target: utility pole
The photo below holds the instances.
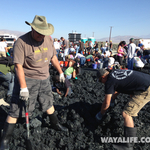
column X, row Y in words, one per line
column 110, row 33
column 93, row 34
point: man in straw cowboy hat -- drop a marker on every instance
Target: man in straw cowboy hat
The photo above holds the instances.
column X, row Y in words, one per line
column 32, row 53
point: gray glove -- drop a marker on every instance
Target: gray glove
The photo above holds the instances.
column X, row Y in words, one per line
column 99, row 116
column 24, row 94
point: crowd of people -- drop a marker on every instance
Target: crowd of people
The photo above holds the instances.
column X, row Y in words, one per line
column 34, row 51
column 128, row 55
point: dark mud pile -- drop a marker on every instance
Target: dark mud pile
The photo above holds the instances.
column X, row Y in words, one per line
column 77, row 112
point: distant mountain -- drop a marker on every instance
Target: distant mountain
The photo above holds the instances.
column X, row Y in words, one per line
column 115, row 39
column 145, row 36
column 17, row 33
column 119, row 38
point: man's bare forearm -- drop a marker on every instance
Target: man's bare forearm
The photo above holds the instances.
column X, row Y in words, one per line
column 20, row 75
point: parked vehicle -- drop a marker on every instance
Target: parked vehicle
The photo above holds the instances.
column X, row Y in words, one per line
column 145, row 42
column 9, row 39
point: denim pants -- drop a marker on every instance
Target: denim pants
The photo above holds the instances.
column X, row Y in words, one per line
column 9, row 78
column 58, row 51
column 105, row 63
column 69, row 76
column 77, row 50
column 82, row 61
column 103, row 49
column 130, row 63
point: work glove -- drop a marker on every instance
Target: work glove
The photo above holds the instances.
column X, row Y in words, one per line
column 24, row 94
column 99, row 116
column 62, row 77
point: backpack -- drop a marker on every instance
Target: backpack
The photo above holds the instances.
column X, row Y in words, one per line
column 8, row 61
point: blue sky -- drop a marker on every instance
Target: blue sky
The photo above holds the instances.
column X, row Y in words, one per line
column 128, row 17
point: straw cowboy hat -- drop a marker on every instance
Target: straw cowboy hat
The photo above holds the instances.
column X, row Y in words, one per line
column 40, row 25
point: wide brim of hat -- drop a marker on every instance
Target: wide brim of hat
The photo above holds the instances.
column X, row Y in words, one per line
column 48, row 31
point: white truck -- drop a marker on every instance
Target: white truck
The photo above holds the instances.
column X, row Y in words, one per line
column 9, row 39
column 145, row 42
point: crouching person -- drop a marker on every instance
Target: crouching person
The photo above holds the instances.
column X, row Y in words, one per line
column 129, row 82
column 32, row 54
column 63, row 89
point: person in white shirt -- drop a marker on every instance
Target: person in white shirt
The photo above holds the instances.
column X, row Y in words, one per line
column 71, row 50
column 131, row 53
column 137, row 62
column 57, row 46
column 91, row 44
column 111, row 61
column 3, row 47
column 82, row 58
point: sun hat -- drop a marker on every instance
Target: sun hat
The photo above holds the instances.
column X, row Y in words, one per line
column 131, row 39
column 40, row 25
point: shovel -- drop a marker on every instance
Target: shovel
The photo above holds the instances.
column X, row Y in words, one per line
column 28, row 142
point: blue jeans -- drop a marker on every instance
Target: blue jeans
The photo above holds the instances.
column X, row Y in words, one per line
column 82, row 61
column 130, row 63
column 105, row 63
column 77, row 50
column 146, row 57
column 103, row 49
column 96, row 49
column 69, row 76
column 57, row 50
column 9, row 78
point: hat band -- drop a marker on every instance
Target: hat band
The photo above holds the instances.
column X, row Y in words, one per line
column 40, row 27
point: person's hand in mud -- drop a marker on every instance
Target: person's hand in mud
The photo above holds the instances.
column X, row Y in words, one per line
column 61, row 94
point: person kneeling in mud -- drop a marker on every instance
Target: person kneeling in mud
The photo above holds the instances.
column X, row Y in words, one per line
column 129, row 82
column 63, row 89
column 72, row 72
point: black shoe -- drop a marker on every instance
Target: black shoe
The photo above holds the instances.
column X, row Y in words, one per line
column 128, row 132
column 59, row 127
column 7, row 132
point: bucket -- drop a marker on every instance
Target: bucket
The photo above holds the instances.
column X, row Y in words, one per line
column 88, row 59
column 94, row 66
column 61, row 63
column 66, row 63
column 98, row 64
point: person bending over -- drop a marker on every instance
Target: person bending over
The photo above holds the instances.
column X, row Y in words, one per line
column 134, row 83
